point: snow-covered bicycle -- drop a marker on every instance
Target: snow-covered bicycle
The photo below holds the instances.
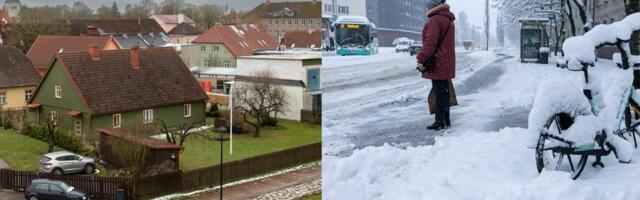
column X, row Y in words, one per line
column 587, row 119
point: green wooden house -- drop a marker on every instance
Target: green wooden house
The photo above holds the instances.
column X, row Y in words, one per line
column 87, row 91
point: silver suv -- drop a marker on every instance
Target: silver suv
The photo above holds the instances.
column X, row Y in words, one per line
column 63, row 162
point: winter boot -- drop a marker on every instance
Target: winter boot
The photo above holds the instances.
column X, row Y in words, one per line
column 437, row 126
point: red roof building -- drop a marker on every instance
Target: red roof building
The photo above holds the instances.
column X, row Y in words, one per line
column 45, row 47
column 240, row 40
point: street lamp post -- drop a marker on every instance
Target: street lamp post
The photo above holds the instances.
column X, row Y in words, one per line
column 221, row 139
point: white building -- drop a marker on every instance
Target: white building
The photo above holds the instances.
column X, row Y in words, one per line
column 298, row 74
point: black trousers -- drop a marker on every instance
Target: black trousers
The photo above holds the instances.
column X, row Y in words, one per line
column 441, row 90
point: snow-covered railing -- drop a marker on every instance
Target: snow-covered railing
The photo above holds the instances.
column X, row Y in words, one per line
column 580, row 50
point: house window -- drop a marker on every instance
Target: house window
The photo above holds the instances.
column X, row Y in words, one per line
column 205, row 62
column 58, row 92
column 187, row 110
column 117, row 118
column 147, row 116
column 77, row 126
column 54, row 117
column 203, row 48
column 3, row 98
column 27, row 95
column 313, row 79
column 227, row 63
column 216, row 48
column 316, row 102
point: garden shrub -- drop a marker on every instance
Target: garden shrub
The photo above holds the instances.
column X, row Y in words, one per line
column 60, row 138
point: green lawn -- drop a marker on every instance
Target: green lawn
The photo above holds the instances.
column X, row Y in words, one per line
column 312, row 197
column 21, row 152
column 200, row 153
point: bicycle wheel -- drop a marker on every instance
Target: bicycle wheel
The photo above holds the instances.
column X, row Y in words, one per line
column 581, row 164
column 545, row 158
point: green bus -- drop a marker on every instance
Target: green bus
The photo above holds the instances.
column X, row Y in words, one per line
column 355, row 35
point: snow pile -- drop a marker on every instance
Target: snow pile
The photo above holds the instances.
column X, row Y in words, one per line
column 475, row 166
column 581, row 48
column 556, row 96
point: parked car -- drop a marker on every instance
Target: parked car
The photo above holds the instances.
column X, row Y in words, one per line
column 63, row 162
column 403, row 46
column 45, row 189
column 415, row 48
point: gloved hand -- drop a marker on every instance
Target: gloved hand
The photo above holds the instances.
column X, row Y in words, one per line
column 420, row 67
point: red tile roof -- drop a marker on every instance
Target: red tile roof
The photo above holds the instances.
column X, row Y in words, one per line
column 112, row 85
column 241, row 40
column 45, row 47
column 303, row 39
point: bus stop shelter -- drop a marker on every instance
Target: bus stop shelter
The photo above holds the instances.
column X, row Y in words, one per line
column 534, row 40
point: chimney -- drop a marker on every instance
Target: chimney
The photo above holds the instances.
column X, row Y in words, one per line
column 93, row 53
column 92, row 30
column 180, row 18
column 135, row 62
column 267, row 2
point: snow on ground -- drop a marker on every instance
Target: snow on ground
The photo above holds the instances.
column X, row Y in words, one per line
column 372, row 100
column 480, row 157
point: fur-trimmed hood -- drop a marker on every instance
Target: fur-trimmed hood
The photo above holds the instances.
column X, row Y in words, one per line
column 442, row 9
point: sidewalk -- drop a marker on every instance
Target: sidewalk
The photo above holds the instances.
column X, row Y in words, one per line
column 264, row 186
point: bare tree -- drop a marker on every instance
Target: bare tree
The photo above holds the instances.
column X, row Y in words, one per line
column 260, row 98
column 179, row 134
column 486, row 22
column 51, row 126
column 129, row 148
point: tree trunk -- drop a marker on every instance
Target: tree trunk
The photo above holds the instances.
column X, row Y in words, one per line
column 51, row 142
column 583, row 16
column 631, row 7
column 570, row 16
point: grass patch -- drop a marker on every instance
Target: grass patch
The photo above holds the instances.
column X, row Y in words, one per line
column 200, row 153
column 312, row 197
column 22, row 152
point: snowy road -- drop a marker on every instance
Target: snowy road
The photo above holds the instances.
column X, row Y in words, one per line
column 373, row 100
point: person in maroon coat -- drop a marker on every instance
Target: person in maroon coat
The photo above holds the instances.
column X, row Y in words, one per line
column 438, row 39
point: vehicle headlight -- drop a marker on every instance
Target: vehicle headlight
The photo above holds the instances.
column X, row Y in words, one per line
column 366, row 48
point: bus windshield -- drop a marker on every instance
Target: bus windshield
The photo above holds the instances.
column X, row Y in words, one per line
column 352, row 35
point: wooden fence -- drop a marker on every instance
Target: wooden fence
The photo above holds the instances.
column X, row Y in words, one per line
column 97, row 187
column 155, row 186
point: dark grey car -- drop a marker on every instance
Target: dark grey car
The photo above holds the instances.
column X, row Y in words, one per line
column 45, row 189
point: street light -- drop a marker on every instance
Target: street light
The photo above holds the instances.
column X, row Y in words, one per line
column 232, row 85
column 221, row 139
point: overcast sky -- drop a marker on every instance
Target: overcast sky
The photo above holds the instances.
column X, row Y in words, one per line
column 238, row 4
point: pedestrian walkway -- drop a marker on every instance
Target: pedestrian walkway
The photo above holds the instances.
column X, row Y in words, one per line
column 266, row 186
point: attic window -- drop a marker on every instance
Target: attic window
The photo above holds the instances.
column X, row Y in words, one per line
column 58, row 92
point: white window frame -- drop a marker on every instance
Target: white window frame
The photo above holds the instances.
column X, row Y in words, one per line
column 3, row 98
column 27, row 95
column 54, row 117
column 187, row 110
column 206, row 63
column 116, row 120
column 77, row 126
column 227, row 63
column 203, row 48
column 216, row 48
column 58, row 92
column 147, row 116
